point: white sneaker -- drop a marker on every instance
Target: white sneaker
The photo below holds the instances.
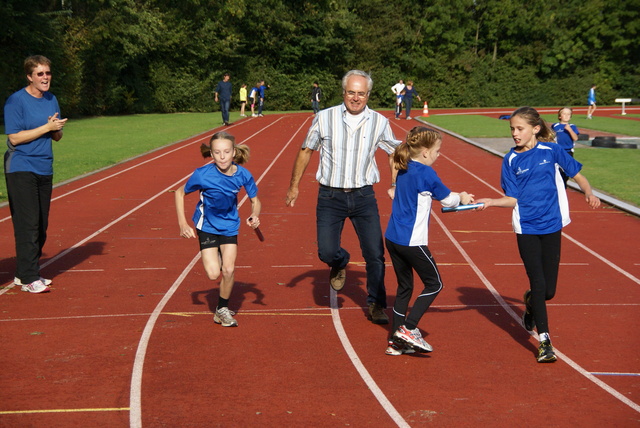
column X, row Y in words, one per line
column 254, row 115
column 46, row 281
column 35, row 287
column 412, row 338
column 224, row 316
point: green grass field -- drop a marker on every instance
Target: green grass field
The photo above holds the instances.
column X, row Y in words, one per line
column 95, row 143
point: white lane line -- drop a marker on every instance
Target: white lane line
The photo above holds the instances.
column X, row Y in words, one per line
column 513, row 315
column 521, row 264
column 135, row 416
column 355, row 360
column 135, row 396
column 614, row 374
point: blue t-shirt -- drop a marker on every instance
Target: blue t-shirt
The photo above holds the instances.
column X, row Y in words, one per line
column 261, row 90
column 591, row 99
column 533, row 178
column 22, row 112
column 563, row 137
column 415, row 188
column 217, row 210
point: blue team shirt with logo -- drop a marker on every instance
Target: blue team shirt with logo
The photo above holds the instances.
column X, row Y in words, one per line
column 533, row 178
column 217, row 210
column 410, row 213
column 563, row 137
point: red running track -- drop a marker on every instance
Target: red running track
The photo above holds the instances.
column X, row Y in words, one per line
column 126, row 337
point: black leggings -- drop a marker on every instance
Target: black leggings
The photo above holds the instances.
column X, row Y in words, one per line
column 405, row 260
column 541, row 257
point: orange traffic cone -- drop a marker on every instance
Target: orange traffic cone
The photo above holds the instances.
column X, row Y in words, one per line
column 425, row 110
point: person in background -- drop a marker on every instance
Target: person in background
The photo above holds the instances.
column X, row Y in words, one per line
column 410, row 92
column 399, row 98
column 342, row 134
column 566, row 135
column 253, row 95
column 261, row 95
column 591, row 101
column 316, row 96
column 216, row 216
column 532, row 187
column 32, row 121
column 223, row 93
column 243, row 99
column 397, row 89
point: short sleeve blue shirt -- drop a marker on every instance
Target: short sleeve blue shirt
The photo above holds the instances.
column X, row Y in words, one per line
column 563, row 137
column 217, row 210
column 411, row 209
column 22, row 112
column 533, row 178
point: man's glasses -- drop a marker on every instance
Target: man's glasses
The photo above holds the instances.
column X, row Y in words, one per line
column 42, row 73
column 352, row 94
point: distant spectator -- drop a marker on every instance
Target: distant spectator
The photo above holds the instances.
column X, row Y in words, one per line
column 261, row 89
column 410, row 92
column 316, row 96
column 397, row 89
column 223, row 93
column 591, row 101
column 243, row 99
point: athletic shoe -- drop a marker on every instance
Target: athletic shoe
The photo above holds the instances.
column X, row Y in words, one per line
column 412, row 338
column 224, row 316
column 46, row 281
column 261, row 115
column 35, row 287
column 376, row 314
column 394, row 349
column 527, row 318
column 545, row 352
column 409, row 118
column 337, row 278
column 254, row 115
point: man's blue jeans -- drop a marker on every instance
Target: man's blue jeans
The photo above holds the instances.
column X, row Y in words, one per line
column 359, row 206
column 224, row 108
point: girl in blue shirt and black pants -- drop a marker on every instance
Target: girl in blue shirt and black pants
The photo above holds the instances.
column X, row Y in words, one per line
column 535, row 190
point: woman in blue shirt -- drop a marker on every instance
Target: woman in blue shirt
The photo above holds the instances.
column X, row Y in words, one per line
column 32, row 121
column 216, row 216
column 534, row 188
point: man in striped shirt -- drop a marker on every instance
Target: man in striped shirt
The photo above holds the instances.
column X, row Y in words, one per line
column 347, row 137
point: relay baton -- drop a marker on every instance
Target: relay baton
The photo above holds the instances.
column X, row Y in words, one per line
column 461, row 208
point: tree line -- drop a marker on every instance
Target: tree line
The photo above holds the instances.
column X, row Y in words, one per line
column 139, row 56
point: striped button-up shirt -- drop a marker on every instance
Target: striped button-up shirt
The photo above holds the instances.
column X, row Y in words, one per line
column 347, row 154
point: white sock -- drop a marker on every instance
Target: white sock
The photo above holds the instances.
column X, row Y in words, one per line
column 544, row 336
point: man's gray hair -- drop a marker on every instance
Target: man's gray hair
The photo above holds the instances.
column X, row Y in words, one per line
column 357, row 73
